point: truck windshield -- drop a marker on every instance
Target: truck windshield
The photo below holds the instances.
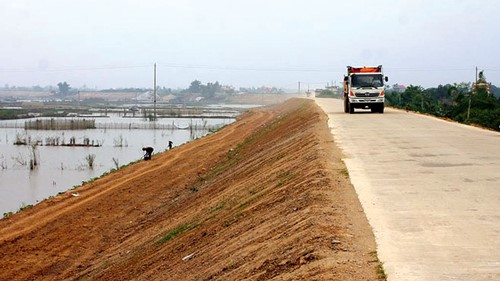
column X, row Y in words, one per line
column 367, row 80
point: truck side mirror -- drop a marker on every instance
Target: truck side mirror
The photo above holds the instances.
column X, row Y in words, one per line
column 386, row 79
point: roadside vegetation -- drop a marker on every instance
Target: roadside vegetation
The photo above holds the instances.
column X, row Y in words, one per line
column 461, row 102
column 455, row 102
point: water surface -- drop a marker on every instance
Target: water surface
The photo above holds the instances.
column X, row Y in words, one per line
column 61, row 168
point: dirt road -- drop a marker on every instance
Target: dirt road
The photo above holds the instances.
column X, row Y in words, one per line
column 265, row 198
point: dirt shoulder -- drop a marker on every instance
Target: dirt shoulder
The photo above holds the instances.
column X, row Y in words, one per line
column 265, row 198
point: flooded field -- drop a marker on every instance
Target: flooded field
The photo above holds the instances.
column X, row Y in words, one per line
column 114, row 142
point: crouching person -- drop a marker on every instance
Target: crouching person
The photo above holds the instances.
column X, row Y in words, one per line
column 148, row 152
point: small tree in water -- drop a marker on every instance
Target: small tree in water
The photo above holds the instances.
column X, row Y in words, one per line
column 34, row 156
column 90, row 160
column 117, row 163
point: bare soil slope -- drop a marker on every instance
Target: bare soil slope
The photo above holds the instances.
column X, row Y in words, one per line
column 266, row 198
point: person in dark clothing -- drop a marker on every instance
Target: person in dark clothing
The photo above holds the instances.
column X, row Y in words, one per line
column 149, row 152
column 170, row 144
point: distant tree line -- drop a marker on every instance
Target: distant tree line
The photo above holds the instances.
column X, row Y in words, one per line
column 196, row 87
column 327, row 93
column 36, row 88
column 262, row 90
column 209, row 90
column 458, row 102
column 64, row 88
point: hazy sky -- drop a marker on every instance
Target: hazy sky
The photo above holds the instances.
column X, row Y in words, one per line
column 114, row 43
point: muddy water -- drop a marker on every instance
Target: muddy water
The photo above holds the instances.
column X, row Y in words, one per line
column 61, row 168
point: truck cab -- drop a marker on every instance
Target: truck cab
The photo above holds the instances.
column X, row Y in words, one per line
column 364, row 88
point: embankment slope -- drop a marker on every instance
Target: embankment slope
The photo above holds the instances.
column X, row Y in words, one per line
column 265, row 198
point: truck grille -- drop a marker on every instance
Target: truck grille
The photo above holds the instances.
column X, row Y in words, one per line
column 366, row 95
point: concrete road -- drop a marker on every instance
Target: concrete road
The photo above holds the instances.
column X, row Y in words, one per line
column 430, row 189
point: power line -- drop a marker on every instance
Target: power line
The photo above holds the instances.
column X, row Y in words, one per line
column 231, row 68
column 438, row 69
column 168, row 65
column 75, row 68
column 237, row 68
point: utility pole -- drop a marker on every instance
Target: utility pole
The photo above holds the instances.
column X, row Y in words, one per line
column 299, row 89
column 154, row 94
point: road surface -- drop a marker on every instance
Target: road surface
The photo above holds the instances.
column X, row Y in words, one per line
column 430, row 189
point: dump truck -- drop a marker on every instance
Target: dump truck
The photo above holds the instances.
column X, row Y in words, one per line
column 364, row 88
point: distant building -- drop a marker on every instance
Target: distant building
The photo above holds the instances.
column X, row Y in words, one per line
column 481, row 84
column 398, row 88
column 147, row 96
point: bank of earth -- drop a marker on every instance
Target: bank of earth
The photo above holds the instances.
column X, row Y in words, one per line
column 265, row 198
